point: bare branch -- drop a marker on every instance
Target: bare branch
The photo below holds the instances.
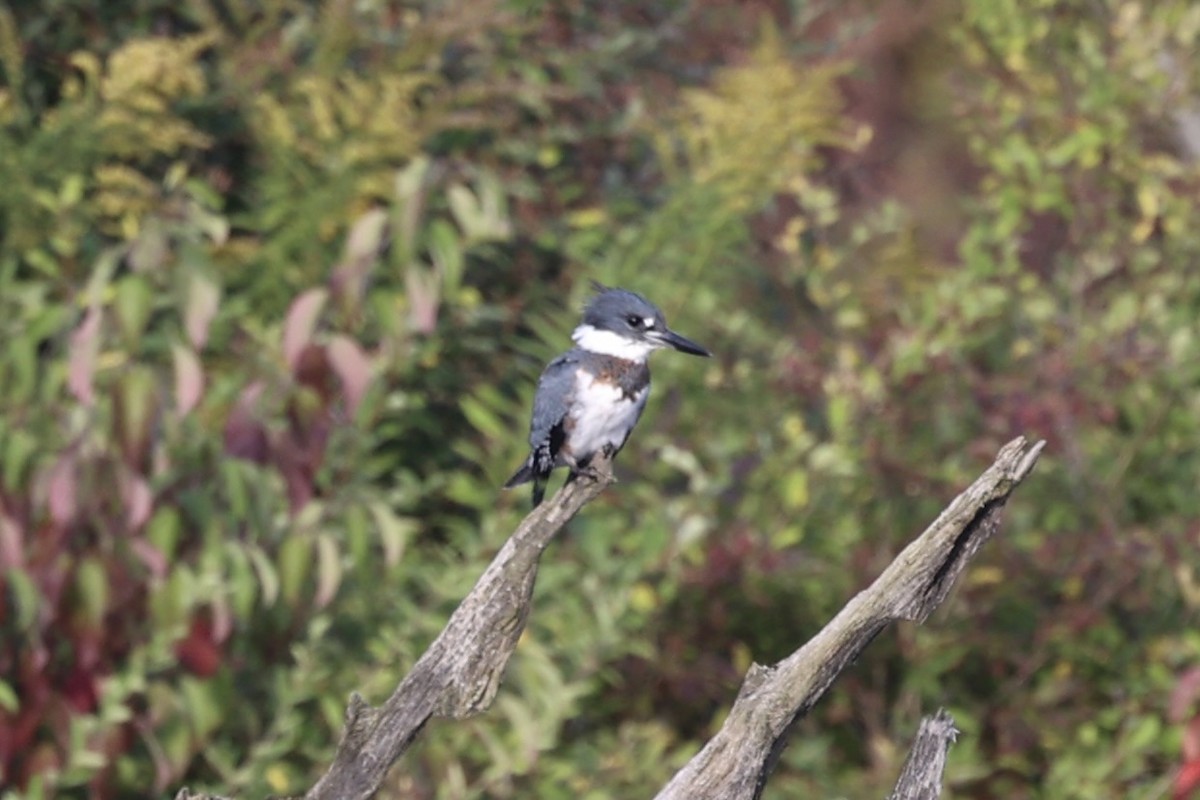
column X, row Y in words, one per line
column 737, row 760
column 460, row 672
column 921, row 777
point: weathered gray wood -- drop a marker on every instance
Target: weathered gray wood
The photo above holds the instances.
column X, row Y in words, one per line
column 921, row 776
column 735, row 763
column 460, row 672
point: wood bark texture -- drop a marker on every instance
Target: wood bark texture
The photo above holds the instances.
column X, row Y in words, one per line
column 921, row 776
column 735, row 763
column 459, row 673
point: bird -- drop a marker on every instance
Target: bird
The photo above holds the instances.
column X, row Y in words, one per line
column 589, row 398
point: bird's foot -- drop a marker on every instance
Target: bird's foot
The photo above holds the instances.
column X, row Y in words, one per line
column 597, row 474
column 588, row 471
column 592, row 473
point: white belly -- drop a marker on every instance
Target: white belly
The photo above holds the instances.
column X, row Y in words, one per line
column 602, row 415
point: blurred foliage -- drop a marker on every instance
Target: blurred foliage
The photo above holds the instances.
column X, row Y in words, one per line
column 276, row 280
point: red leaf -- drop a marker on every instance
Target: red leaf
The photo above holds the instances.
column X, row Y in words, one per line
column 11, row 550
column 85, row 344
column 312, row 369
column 1191, row 740
column 1183, row 696
column 221, row 619
column 62, row 490
column 80, row 690
column 422, row 289
column 301, row 322
column 297, row 470
column 138, row 499
column 245, row 436
column 366, row 237
column 189, row 380
column 353, row 368
column 151, row 556
column 203, row 297
column 197, row 652
column 1186, row 781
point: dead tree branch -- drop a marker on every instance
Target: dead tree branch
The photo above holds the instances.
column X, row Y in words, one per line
column 459, row 673
column 921, row 777
column 736, row 762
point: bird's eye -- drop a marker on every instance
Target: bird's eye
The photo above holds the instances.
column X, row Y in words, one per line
column 635, row 321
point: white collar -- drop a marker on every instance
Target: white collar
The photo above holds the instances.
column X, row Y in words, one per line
column 608, row 343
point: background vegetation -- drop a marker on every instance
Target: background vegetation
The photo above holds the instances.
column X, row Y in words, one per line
column 276, row 280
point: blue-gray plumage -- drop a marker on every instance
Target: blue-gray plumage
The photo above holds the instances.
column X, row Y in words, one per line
column 590, row 397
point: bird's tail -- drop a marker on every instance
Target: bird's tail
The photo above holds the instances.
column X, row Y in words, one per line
column 526, row 474
column 523, row 475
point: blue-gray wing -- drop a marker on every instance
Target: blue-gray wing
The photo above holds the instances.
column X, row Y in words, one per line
column 555, row 390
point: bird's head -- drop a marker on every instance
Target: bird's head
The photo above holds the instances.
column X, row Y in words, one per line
column 624, row 324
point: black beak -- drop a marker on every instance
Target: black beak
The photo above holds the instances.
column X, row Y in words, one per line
column 682, row 343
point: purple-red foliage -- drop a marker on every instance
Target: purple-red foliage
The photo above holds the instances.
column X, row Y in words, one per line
column 77, row 568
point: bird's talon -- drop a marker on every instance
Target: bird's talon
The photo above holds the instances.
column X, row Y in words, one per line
column 592, row 473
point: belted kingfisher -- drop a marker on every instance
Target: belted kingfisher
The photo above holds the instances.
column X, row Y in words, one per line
column 590, row 397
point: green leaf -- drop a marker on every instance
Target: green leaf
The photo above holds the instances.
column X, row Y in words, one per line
column 495, row 206
column 467, row 213
column 357, row 525
column 8, row 698
column 447, row 254
column 135, row 407
column 795, row 489
column 163, row 531
column 91, row 586
column 329, row 570
column 241, row 581
column 295, row 561
column 19, row 449
column 394, row 531
column 235, row 488
column 410, row 189
column 204, row 709
column 171, row 601
column 20, row 381
column 133, row 304
column 26, row 598
column 268, row 576
column 176, row 740
column 483, row 419
column 1144, row 737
